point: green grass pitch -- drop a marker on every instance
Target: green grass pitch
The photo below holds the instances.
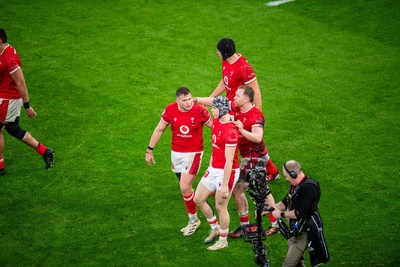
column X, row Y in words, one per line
column 100, row 73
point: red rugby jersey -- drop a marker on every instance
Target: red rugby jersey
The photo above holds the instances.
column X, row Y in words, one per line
column 223, row 135
column 186, row 127
column 236, row 74
column 9, row 63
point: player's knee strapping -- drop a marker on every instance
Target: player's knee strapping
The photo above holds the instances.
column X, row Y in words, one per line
column 15, row 130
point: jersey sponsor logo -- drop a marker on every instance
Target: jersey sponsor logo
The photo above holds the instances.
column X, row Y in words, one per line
column 226, row 82
column 184, row 129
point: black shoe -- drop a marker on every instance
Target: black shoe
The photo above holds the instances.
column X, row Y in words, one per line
column 48, row 157
column 2, row 172
column 237, row 233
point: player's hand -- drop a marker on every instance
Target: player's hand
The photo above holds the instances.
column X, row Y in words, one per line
column 224, row 191
column 239, row 125
column 150, row 159
column 276, row 213
column 30, row 112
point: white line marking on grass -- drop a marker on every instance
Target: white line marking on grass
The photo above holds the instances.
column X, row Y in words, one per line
column 277, row 3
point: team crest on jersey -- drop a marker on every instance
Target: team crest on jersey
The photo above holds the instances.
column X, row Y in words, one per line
column 175, row 119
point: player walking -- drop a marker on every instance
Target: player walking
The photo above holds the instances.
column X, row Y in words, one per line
column 14, row 94
column 187, row 120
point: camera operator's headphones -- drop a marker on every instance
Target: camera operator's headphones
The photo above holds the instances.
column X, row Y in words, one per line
column 292, row 174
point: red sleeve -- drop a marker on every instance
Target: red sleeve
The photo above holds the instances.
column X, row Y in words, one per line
column 232, row 137
column 13, row 62
column 205, row 115
column 247, row 73
column 165, row 117
column 258, row 119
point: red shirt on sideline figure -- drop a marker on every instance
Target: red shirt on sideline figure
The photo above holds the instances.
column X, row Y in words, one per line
column 9, row 63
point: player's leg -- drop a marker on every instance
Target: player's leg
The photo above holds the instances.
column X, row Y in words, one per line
column 273, row 229
column 186, row 183
column 189, row 167
column 205, row 188
column 221, row 204
column 242, row 207
column 272, row 170
column 15, row 130
column 241, row 202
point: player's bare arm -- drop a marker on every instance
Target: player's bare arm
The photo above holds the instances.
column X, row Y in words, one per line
column 256, row 134
column 207, row 101
column 257, row 94
column 209, row 123
column 229, row 155
column 19, row 79
column 156, row 136
column 219, row 90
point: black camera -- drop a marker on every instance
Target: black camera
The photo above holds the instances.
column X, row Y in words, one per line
column 294, row 230
column 257, row 185
column 258, row 190
column 257, row 178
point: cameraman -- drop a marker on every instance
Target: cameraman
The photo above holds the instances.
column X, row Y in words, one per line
column 301, row 201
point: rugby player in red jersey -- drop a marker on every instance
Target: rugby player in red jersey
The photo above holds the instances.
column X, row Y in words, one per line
column 14, row 94
column 236, row 71
column 250, row 122
column 187, row 120
column 221, row 175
